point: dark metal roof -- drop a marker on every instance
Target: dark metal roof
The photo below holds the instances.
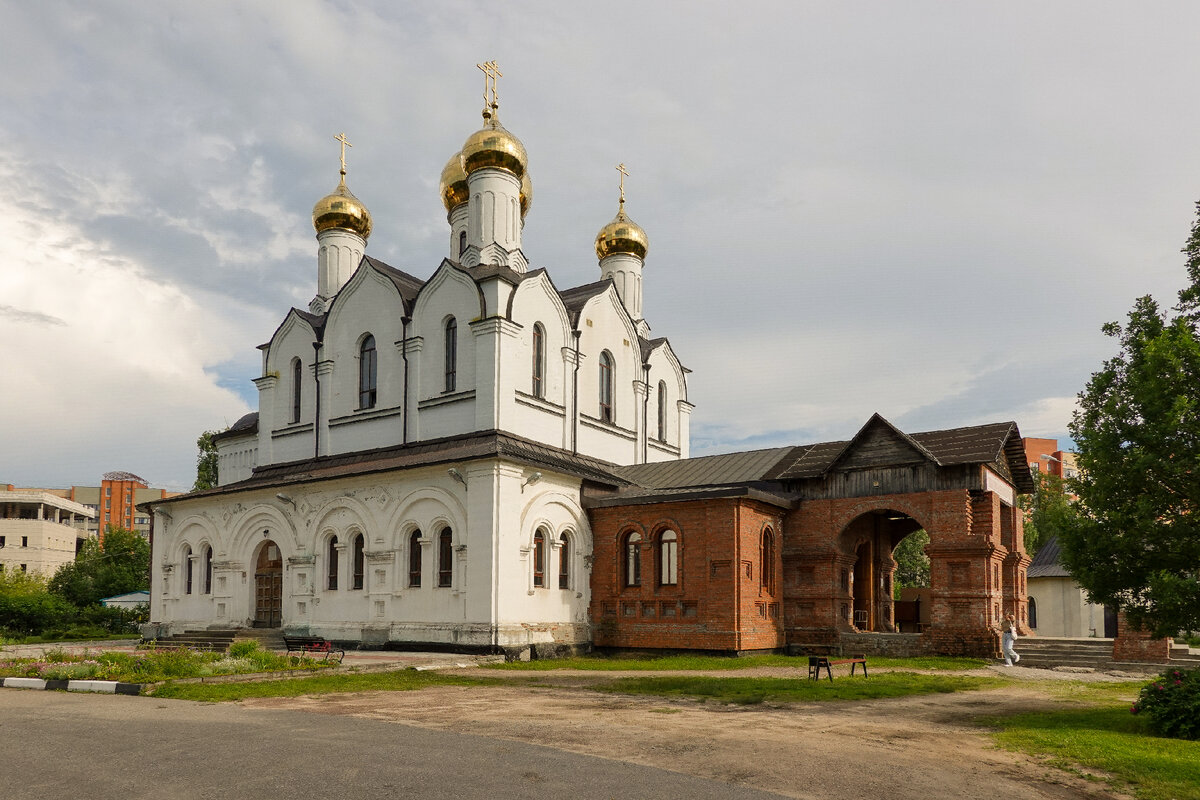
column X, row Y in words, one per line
column 650, row 345
column 722, row 470
column 635, row 496
column 1046, row 563
column 451, row 449
column 316, row 321
column 575, row 298
column 406, row 284
column 246, row 425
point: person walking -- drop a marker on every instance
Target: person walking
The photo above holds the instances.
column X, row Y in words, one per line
column 1009, row 628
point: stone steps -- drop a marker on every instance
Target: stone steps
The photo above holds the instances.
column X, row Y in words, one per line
column 1045, row 652
column 217, row 640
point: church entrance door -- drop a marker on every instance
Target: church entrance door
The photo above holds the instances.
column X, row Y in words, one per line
column 268, row 587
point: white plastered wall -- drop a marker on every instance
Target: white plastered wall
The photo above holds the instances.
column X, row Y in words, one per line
column 1063, row 609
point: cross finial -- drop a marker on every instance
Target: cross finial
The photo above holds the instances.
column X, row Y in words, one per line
column 491, row 98
column 341, row 137
column 624, row 174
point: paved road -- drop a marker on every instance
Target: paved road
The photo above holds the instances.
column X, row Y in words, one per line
column 103, row 747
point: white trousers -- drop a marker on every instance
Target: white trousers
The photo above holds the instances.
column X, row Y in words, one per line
column 1010, row 655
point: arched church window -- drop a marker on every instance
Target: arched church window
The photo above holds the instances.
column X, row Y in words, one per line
column 662, row 411
column 187, row 566
column 668, row 558
column 1032, row 613
column 445, row 557
column 606, row 386
column 297, row 373
column 539, row 360
column 368, row 369
column 462, row 243
column 539, row 558
column 331, row 563
column 207, row 560
column 414, row 559
column 359, row 562
column 564, row 562
column 451, row 354
column 766, row 569
column 633, row 559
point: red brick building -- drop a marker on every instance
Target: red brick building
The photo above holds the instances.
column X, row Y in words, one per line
column 791, row 548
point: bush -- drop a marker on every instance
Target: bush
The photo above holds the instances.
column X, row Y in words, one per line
column 1172, row 704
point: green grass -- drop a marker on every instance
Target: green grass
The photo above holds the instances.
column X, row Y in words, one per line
column 1108, row 740
column 399, row 681
column 149, row 666
column 707, row 663
column 749, row 691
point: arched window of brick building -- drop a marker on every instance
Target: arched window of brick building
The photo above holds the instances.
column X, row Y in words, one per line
column 633, row 559
column 668, row 558
column 766, row 569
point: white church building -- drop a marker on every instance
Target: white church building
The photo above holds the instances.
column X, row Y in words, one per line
column 413, row 474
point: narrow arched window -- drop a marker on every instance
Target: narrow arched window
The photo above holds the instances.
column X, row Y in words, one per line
column 368, row 369
column 633, row 559
column 414, row 559
column 1032, row 613
column 208, row 569
column 606, row 386
column 662, row 411
column 766, row 569
column 539, row 559
column 668, row 558
column 297, row 386
column 462, row 243
column 539, row 360
column 451, row 354
column 445, row 557
column 187, row 566
column 564, row 562
column 331, row 563
column 359, row 562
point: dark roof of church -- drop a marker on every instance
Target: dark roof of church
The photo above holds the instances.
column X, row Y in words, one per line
column 246, row 424
column 720, row 470
column 317, row 321
column 575, row 298
column 407, row 285
column 649, row 346
column 448, row 450
column 1046, row 563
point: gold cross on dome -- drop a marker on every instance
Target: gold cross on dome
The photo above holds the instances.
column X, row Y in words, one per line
column 624, row 174
column 491, row 71
column 341, row 137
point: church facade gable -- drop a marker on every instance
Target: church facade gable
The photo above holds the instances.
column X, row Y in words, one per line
column 612, row 386
column 536, row 381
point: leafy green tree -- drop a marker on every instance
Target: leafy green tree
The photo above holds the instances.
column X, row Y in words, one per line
column 1048, row 511
column 206, row 462
column 1137, row 544
column 912, row 565
column 26, row 607
column 118, row 565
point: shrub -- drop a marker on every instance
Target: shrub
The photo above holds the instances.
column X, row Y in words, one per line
column 1172, row 704
column 242, row 649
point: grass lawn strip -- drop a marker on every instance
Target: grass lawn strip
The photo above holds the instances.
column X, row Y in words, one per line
column 404, row 680
column 1110, row 740
column 750, row 691
column 711, row 663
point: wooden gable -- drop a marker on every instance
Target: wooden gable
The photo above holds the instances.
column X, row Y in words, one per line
column 879, row 443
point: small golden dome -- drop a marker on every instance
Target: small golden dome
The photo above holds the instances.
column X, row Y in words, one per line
column 493, row 146
column 341, row 209
column 453, row 185
column 622, row 235
column 526, row 194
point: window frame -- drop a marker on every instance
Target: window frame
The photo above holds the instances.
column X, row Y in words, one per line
column 662, row 411
column 539, row 361
column 766, row 561
column 368, row 373
column 359, row 561
column 206, row 585
column 564, row 561
column 187, row 575
column 445, row 558
column 605, row 389
column 297, row 388
column 462, row 244
column 668, row 558
column 631, row 559
column 414, row 559
column 539, row 559
column 332, row 564
column 450, row 347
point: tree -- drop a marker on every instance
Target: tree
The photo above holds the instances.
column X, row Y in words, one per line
column 912, row 565
column 1137, row 544
column 1048, row 511
column 119, row 565
column 206, row 462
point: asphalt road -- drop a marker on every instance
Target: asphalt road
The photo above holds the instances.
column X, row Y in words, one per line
column 104, row 747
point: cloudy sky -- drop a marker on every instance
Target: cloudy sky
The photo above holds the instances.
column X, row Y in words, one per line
column 925, row 209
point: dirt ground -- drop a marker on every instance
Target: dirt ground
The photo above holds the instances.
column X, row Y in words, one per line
column 914, row 747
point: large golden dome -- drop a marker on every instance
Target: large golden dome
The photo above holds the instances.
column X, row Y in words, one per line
column 622, row 235
column 453, row 185
column 493, row 146
column 343, row 210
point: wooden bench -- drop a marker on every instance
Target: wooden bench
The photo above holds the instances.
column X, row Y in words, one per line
column 313, row 646
column 818, row 663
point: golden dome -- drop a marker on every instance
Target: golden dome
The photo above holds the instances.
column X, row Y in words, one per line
column 622, row 235
column 453, row 186
column 342, row 210
column 493, row 146
column 526, row 194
